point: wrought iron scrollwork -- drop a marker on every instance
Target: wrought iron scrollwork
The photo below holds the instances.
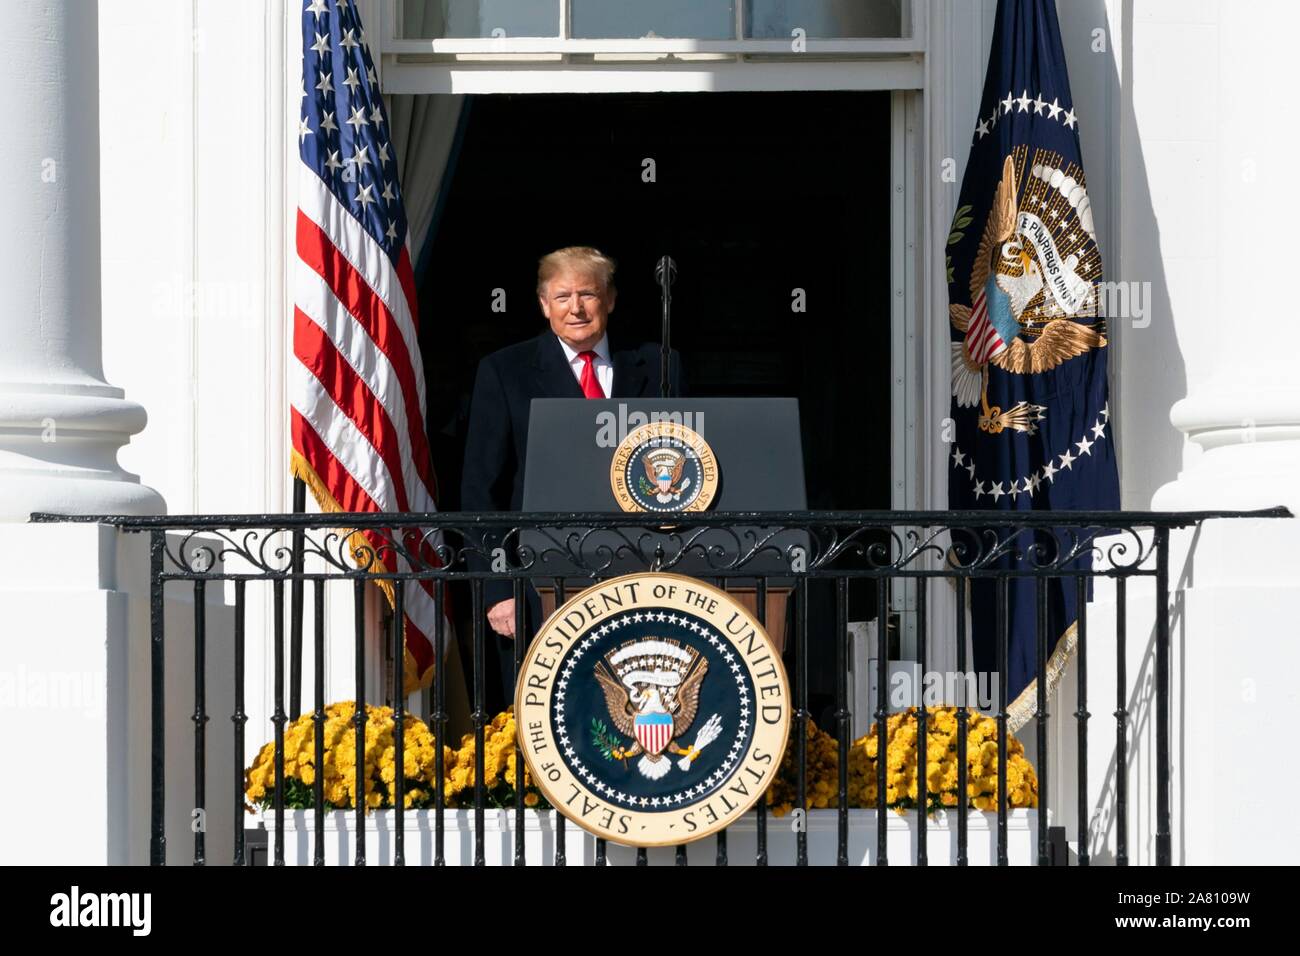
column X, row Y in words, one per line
column 596, row 546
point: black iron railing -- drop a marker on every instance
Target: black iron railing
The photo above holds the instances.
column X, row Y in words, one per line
column 568, row 550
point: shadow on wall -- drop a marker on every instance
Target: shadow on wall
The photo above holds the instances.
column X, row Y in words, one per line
column 1139, row 764
column 1139, row 703
column 1148, row 373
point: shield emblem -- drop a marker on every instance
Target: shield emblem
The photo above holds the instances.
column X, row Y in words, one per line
column 654, row 731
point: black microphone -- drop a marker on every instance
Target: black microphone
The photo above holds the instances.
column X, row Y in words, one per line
column 665, row 273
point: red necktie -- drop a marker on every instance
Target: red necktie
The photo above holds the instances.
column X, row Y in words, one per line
column 590, row 384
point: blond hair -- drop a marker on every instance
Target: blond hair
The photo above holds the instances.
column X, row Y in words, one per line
column 584, row 258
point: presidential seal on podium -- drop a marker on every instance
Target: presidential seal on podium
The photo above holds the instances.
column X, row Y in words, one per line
column 664, row 466
column 652, row 709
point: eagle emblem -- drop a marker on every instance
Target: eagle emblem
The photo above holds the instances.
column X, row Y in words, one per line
column 663, row 474
column 1032, row 279
column 664, row 466
column 652, row 692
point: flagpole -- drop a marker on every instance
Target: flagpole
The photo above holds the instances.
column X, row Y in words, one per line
column 295, row 605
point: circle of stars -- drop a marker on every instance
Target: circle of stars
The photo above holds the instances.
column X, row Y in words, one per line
column 1039, row 478
column 688, row 794
column 1023, row 104
column 634, row 465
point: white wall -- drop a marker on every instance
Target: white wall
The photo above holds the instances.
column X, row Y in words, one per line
column 192, row 151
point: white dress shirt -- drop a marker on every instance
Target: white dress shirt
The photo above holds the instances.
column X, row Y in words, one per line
column 604, row 367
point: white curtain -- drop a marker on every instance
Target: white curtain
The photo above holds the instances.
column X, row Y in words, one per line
column 424, row 130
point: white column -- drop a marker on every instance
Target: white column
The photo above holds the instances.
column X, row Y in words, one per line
column 1242, row 409
column 1207, row 212
column 61, row 424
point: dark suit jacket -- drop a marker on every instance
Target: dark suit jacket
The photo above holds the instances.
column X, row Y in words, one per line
column 506, row 384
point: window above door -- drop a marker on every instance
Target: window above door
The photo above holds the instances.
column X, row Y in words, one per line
column 666, row 28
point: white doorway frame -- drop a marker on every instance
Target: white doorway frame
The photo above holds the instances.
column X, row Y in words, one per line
column 934, row 77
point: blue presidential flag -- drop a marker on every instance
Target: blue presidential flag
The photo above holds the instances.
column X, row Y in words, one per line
column 1033, row 427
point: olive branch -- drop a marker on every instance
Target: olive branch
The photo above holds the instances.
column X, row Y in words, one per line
column 960, row 221
column 603, row 740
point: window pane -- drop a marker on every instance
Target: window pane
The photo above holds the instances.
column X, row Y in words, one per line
column 478, row 18
column 775, row 19
column 624, row 19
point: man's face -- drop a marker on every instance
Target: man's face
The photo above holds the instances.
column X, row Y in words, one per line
column 578, row 307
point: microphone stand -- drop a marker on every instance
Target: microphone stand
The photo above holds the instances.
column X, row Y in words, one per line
column 665, row 273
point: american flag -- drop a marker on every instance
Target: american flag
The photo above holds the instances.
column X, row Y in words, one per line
column 358, row 398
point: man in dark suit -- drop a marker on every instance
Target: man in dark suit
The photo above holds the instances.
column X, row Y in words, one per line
column 575, row 357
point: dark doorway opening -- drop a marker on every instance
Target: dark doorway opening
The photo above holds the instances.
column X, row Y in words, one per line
column 756, row 196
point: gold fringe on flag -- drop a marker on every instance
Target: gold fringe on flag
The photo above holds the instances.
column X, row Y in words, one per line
column 1022, row 709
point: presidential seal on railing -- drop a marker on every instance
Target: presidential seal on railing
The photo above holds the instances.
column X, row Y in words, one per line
column 652, row 709
column 663, row 466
